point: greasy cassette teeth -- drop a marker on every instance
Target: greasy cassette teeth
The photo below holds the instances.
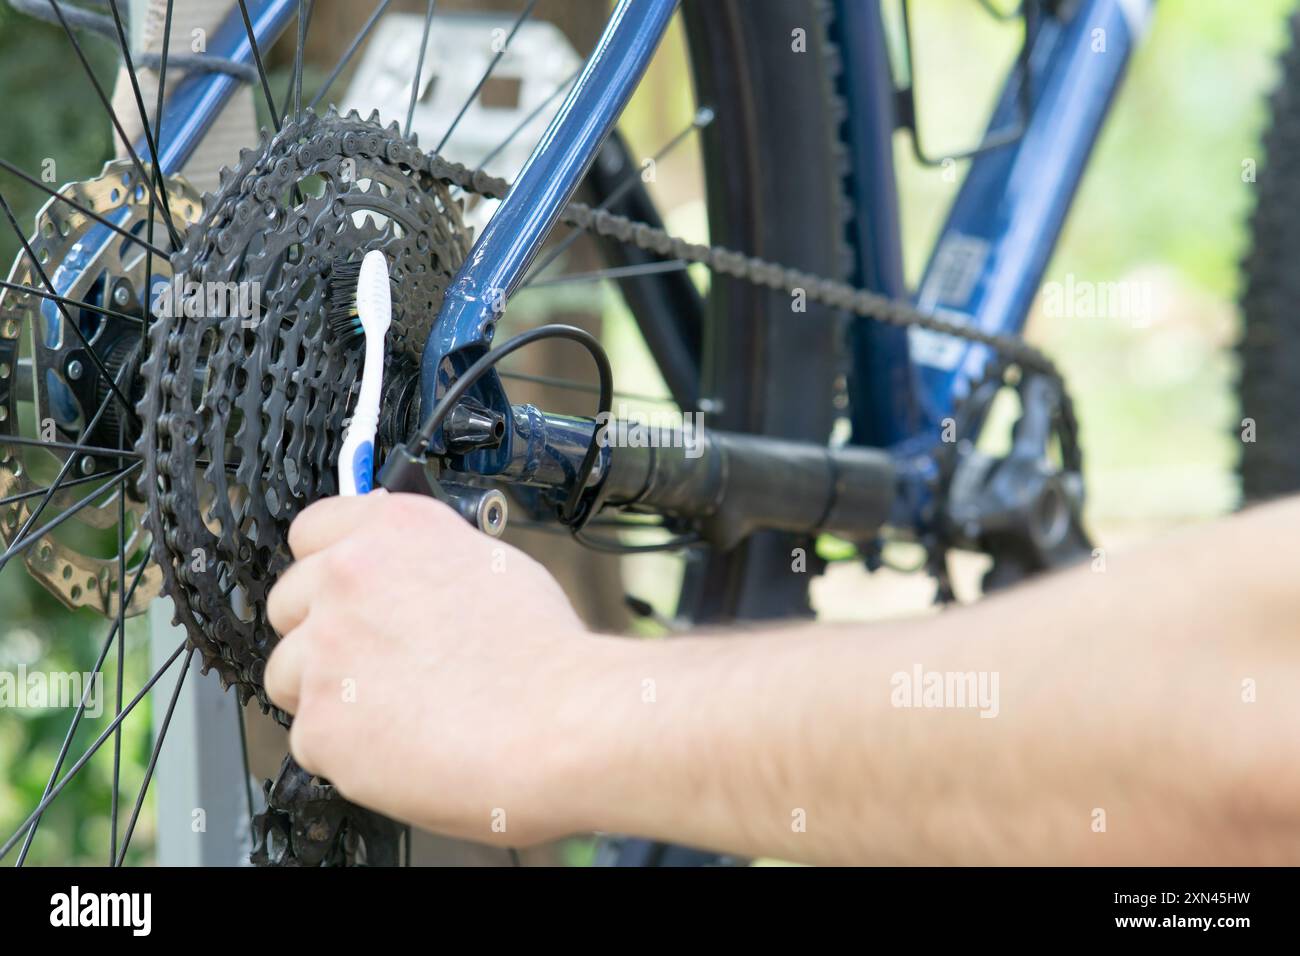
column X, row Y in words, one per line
column 228, row 465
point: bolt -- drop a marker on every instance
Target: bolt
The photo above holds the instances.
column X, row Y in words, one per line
column 492, row 513
column 122, row 295
column 75, row 369
column 87, row 465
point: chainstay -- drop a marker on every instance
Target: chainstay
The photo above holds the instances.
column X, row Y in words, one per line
column 837, row 295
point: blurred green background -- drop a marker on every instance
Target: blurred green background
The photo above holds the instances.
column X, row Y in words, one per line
column 1163, row 203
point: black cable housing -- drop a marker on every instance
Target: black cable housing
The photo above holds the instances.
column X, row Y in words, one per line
column 569, row 514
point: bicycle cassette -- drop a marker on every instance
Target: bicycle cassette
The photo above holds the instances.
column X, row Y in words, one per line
column 244, row 406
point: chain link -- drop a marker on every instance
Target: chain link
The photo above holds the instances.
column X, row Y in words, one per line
column 837, row 295
column 829, row 292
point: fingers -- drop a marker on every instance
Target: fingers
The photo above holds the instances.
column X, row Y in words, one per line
column 291, row 598
column 303, row 755
column 284, row 672
column 329, row 520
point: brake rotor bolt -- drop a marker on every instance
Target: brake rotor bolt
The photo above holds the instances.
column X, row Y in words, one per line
column 87, row 465
column 75, row 369
column 122, row 295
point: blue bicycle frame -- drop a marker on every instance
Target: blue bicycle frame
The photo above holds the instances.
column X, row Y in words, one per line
column 984, row 271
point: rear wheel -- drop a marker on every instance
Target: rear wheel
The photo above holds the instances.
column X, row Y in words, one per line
column 775, row 190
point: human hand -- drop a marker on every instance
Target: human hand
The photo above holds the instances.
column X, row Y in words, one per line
column 435, row 674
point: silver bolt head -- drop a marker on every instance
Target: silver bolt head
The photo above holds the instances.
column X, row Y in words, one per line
column 493, row 512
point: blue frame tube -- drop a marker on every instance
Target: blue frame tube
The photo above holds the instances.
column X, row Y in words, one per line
column 990, row 258
column 496, row 263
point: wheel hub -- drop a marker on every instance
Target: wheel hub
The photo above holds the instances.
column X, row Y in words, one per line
column 55, row 392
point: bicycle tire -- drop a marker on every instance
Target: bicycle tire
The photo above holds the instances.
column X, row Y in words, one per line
column 1268, row 351
column 775, row 165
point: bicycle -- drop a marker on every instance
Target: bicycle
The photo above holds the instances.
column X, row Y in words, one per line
column 203, row 430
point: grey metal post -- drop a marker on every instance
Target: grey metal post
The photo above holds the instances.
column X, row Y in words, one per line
column 199, row 783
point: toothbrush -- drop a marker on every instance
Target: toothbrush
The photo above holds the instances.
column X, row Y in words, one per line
column 374, row 313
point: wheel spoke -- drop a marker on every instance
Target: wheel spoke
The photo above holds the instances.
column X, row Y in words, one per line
column 153, row 757
column 419, row 68
column 71, row 446
column 261, row 69
column 112, row 115
column 68, row 200
column 524, row 123
column 157, row 141
column 341, row 65
column 80, row 713
column 519, row 21
column 63, row 470
column 294, row 92
column 149, row 139
column 614, row 272
column 69, row 483
column 243, row 750
column 703, row 117
column 90, row 752
column 24, row 543
column 119, row 625
column 75, row 303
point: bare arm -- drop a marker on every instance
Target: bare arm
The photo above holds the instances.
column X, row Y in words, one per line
column 441, row 677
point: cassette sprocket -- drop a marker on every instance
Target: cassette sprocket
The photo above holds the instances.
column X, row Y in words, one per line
column 244, row 403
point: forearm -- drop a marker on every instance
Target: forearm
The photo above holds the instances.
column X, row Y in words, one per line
column 1119, row 704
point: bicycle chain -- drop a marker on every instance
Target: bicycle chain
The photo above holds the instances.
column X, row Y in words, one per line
column 837, row 295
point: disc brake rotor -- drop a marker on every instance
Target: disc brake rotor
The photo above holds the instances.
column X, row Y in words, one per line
column 54, row 392
column 244, row 404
